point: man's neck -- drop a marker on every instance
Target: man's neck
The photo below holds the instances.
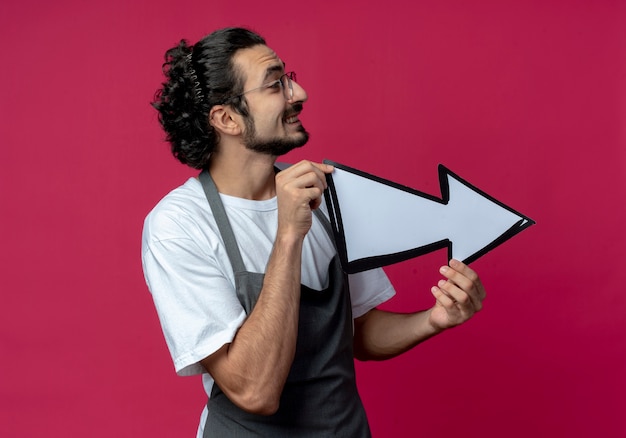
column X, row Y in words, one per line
column 245, row 174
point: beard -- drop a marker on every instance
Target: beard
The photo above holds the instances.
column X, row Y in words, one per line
column 273, row 146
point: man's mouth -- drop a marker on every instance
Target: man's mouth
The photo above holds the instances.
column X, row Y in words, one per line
column 294, row 112
column 291, row 119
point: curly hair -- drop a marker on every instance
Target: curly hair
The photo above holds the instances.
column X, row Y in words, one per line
column 197, row 78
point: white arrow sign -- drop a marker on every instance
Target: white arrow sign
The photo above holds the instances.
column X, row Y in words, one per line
column 378, row 222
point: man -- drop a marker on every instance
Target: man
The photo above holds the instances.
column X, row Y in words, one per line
column 241, row 263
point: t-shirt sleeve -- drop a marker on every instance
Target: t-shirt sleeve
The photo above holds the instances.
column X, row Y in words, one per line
column 196, row 303
column 369, row 289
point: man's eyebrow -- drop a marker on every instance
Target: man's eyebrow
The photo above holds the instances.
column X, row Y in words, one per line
column 273, row 69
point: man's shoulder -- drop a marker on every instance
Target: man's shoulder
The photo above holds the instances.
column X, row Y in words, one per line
column 179, row 210
column 185, row 196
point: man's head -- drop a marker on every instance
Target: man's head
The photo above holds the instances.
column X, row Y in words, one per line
column 273, row 101
column 231, row 69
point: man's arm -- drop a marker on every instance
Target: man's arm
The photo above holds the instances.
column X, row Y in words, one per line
column 380, row 335
column 253, row 368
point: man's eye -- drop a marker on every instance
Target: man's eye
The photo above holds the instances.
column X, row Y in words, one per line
column 274, row 85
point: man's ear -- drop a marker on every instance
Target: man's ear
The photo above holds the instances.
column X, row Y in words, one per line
column 225, row 120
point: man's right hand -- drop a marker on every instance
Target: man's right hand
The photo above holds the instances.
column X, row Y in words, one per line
column 299, row 190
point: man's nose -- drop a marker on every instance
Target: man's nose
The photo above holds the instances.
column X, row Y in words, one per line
column 299, row 94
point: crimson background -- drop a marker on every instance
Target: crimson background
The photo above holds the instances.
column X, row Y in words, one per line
column 525, row 99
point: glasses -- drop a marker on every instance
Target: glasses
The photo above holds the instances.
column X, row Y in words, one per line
column 285, row 82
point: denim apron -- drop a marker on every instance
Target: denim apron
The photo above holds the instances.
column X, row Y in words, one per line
column 320, row 397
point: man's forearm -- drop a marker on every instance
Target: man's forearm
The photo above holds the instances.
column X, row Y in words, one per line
column 382, row 335
column 255, row 366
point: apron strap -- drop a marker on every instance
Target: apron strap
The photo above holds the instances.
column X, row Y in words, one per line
column 326, row 224
column 223, row 224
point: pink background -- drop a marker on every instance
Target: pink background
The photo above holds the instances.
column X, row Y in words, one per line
column 525, row 99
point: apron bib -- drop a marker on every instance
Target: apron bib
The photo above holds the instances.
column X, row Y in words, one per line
column 320, row 397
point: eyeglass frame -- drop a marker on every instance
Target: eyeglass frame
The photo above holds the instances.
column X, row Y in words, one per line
column 291, row 78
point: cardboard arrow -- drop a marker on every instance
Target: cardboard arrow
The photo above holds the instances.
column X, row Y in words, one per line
column 377, row 222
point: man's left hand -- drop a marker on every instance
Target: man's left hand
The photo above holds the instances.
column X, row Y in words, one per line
column 458, row 297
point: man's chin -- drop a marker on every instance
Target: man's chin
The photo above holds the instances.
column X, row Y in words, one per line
column 304, row 137
column 284, row 148
column 280, row 146
column 299, row 137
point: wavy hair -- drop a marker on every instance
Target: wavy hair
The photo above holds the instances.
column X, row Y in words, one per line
column 197, row 78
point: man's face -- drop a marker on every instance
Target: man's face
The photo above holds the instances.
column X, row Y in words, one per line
column 273, row 126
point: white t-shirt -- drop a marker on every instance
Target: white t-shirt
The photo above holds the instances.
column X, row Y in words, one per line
column 191, row 279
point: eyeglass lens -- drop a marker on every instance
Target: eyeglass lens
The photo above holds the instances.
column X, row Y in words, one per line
column 288, row 85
